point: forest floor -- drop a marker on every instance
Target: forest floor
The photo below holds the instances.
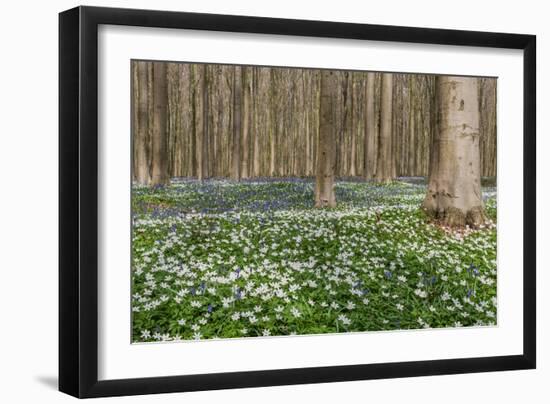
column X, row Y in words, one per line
column 222, row 259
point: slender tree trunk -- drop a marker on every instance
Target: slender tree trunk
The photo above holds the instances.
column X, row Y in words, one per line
column 370, row 128
column 384, row 161
column 198, row 118
column 159, row 167
column 454, row 190
column 272, row 108
column 412, row 127
column 487, row 126
column 237, row 129
column 352, row 167
column 257, row 121
column 245, row 147
column 201, row 120
column 308, row 147
column 432, row 155
column 343, row 166
column 142, row 129
column 205, row 124
column 324, row 185
column 397, row 124
column 192, row 149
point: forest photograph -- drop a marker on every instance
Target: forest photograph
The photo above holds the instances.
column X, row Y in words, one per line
column 280, row 201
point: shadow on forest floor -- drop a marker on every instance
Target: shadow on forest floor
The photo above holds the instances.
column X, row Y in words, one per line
column 485, row 181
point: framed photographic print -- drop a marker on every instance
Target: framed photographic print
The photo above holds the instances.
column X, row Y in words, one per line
column 250, row 201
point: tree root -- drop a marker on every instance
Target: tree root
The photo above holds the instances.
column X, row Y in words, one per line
column 456, row 218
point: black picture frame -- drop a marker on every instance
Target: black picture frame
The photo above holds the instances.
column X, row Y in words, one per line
column 78, row 200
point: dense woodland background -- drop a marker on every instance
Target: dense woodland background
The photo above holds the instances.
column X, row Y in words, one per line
column 251, row 121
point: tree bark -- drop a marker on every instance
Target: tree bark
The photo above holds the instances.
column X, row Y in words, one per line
column 191, row 149
column 141, row 165
column 384, row 166
column 487, row 126
column 454, row 190
column 324, row 185
column 257, row 120
column 273, row 125
column 412, row 128
column 159, row 166
column 245, row 147
column 206, row 161
column 237, row 128
column 370, row 128
column 353, row 146
column 200, row 120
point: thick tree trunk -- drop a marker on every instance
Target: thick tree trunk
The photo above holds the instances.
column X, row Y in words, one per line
column 159, row 166
column 370, row 128
column 141, row 165
column 384, row 165
column 237, row 112
column 326, row 161
column 454, row 190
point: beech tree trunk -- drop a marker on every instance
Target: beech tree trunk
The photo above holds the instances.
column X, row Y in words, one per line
column 271, row 120
column 488, row 126
column 384, row 166
column 412, row 119
column 141, row 165
column 245, row 147
column 159, row 164
column 454, row 190
column 205, row 125
column 353, row 146
column 237, row 112
column 370, row 128
column 257, row 122
column 200, row 120
column 192, row 147
column 326, row 160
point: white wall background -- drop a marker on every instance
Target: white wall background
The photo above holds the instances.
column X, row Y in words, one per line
column 28, row 200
